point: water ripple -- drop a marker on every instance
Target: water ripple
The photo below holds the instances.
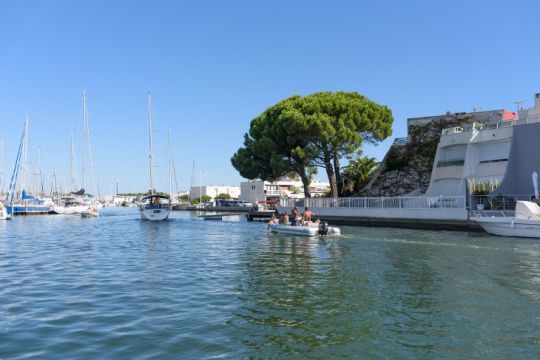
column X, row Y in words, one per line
column 119, row 287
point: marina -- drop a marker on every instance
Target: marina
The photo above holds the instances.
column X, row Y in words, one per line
column 269, row 180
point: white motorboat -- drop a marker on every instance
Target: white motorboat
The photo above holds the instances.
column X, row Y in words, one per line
column 153, row 206
column 91, row 212
column 524, row 223
column 312, row 229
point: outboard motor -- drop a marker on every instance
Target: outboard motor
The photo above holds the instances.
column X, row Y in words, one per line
column 323, row 228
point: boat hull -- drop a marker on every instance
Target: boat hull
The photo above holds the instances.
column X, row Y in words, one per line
column 154, row 214
column 28, row 210
column 312, row 230
column 509, row 226
column 69, row 210
column 4, row 214
column 89, row 214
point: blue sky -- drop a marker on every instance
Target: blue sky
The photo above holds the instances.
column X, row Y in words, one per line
column 214, row 65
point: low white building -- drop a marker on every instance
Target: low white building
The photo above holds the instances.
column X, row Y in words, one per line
column 258, row 190
column 213, row 191
column 117, row 200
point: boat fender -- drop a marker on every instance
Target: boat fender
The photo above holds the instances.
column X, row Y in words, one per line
column 323, row 228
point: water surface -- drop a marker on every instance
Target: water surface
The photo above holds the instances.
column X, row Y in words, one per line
column 119, row 287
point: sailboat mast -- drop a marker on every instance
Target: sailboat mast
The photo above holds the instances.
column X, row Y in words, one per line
column 39, row 183
column 14, row 184
column 2, row 181
column 172, row 168
column 150, row 142
column 74, row 176
column 25, row 156
column 170, row 161
column 89, row 144
column 55, row 194
column 84, row 139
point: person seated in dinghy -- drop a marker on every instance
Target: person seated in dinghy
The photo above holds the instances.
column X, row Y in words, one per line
column 273, row 219
column 307, row 216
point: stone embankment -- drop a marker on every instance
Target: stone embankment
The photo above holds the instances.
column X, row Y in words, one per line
column 406, row 168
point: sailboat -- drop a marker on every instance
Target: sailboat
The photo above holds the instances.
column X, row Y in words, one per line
column 3, row 211
column 93, row 205
column 4, row 215
column 79, row 201
column 18, row 200
column 71, row 204
column 2, row 179
column 153, row 207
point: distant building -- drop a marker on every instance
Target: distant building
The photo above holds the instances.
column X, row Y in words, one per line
column 533, row 112
column 213, row 191
column 118, row 199
column 258, row 191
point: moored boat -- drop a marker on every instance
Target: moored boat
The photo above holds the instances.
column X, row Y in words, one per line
column 524, row 223
column 4, row 215
column 20, row 202
column 90, row 212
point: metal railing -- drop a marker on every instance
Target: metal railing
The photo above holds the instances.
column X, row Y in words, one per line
column 450, row 163
column 494, row 205
column 401, row 141
column 421, row 202
column 496, row 202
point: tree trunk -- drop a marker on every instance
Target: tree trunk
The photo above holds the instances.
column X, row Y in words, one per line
column 339, row 179
column 305, row 181
column 301, row 171
column 331, row 176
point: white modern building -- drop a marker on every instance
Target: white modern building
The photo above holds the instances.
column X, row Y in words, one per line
column 213, row 191
column 466, row 155
column 480, row 154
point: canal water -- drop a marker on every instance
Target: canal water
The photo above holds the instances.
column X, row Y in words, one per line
column 119, row 287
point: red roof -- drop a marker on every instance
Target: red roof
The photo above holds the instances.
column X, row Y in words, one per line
column 508, row 115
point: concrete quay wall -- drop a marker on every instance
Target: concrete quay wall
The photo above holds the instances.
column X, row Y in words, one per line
column 220, row 209
column 428, row 219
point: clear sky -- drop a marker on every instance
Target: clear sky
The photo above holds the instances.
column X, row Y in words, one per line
column 214, row 65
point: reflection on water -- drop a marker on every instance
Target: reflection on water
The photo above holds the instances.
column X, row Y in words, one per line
column 190, row 288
